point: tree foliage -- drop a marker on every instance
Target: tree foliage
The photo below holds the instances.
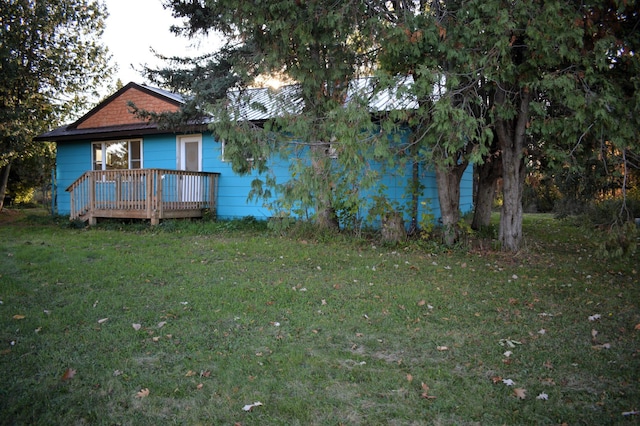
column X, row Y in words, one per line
column 518, row 83
column 539, row 75
column 591, row 132
column 50, row 62
column 322, row 47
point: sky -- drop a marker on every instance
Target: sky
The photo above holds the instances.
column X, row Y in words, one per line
column 135, row 26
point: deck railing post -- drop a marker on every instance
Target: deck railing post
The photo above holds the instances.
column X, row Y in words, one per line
column 212, row 193
column 92, row 194
column 72, row 204
column 148, row 195
column 159, row 202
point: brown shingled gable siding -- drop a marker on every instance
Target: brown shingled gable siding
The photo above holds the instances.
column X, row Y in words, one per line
column 117, row 112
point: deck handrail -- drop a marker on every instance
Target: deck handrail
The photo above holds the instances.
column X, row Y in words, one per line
column 147, row 193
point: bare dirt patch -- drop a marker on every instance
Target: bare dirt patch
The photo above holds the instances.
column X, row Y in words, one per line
column 8, row 216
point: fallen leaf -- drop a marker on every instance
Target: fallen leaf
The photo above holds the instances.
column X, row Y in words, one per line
column 508, row 382
column 250, row 407
column 425, row 392
column 637, row 327
column 117, row 373
column 548, row 381
column 548, row 364
column 520, row 393
column 496, row 379
column 594, row 333
column 603, row 346
column 143, row 393
column 190, row 373
column 630, row 413
column 509, row 343
column 137, row 327
column 103, row 320
column 18, row 317
column 442, row 348
column 409, row 377
column 422, row 302
column 200, row 385
column 161, row 324
column 205, row 373
column 508, row 354
column 594, row 317
column 543, row 396
column 68, row 374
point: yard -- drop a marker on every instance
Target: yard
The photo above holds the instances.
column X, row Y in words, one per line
column 194, row 323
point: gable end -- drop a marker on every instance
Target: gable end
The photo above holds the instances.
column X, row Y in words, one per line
column 115, row 111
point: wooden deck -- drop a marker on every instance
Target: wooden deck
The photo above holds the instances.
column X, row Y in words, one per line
column 152, row 194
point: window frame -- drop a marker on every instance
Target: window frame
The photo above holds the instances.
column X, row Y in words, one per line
column 103, row 147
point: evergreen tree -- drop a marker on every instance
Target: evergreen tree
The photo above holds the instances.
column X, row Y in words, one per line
column 322, row 47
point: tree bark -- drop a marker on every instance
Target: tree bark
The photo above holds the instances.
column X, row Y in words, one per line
column 393, row 230
column 4, row 180
column 448, row 182
column 326, row 216
column 511, row 138
column 488, row 174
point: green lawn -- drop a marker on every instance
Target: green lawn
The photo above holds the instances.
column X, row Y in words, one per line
column 188, row 323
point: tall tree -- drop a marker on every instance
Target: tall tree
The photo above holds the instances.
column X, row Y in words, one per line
column 428, row 40
column 319, row 45
column 553, row 53
column 504, row 63
column 594, row 126
column 50, row 62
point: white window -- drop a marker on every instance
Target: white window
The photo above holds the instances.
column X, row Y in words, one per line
column 113, row 155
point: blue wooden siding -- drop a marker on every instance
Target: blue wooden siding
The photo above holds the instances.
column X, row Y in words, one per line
column 160, row 151
column 72, row 160
column 234, row 189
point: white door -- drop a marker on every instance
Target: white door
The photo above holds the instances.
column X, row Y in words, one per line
column 190, row 159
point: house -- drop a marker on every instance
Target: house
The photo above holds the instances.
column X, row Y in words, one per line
column 112, row 164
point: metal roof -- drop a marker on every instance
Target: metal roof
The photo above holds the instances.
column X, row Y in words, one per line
column 170, row 95
column 261, row 104
column 255, row 104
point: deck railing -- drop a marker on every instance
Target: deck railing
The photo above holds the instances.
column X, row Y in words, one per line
column 142, row 193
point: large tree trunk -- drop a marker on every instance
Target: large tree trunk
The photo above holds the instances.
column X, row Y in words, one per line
column 511, row 137
column 326, row 216
column 488, row 174
column 415, row 196
column 448, row 182
column 511, row 213
column 4, row 180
